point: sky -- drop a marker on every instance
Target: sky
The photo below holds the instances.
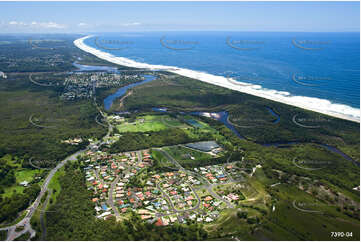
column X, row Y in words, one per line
column 89, row 17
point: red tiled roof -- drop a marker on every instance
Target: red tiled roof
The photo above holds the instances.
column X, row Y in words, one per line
column 159, row 222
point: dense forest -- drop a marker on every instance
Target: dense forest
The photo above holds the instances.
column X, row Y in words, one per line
column 10, row 207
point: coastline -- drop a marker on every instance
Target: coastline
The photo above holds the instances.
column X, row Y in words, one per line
column 309, row 103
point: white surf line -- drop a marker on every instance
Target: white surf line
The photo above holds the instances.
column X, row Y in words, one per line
column 309, row 103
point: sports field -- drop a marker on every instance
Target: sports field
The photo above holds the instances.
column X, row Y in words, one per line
column 151, row 123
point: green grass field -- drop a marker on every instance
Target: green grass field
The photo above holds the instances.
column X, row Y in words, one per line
column 26, row 175
column 21, row 175
column 54, row 184
column 163, row 161
column 183, row 154
column 150, row 123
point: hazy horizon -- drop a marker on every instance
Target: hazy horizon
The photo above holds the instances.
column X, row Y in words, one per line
column 104, row 17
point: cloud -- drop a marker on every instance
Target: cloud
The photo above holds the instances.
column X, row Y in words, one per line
column 34, row 24
column 17, row 23
column 131, row 24
column 82, row 24
column 48, row 25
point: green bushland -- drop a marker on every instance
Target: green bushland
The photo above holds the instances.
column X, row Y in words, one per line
column 48, row 62
column 10, row 207
column 185, row 154
column 7, row 174
column 334, row 170
column 3, row 234
column 21, row 138
column 160, row 161
column 182, row 155
column 137, row 141
column 287, row 222
column 185, row 94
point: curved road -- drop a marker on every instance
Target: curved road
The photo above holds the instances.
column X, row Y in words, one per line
column 25, row 222
column 42, row 222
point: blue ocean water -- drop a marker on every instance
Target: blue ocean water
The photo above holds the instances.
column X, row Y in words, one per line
column 322, row 65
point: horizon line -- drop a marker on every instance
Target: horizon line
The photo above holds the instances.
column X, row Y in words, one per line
column 154, row 31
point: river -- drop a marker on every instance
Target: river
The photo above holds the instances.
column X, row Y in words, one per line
column 221, row 116
column 108, row 101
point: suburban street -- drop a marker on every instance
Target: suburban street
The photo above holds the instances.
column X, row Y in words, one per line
column 110, row 195
column 207, row 185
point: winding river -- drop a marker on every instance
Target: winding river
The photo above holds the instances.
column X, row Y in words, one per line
column 221, row 116
column 108, row 101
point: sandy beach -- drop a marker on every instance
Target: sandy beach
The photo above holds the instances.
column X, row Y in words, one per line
column 309, row 103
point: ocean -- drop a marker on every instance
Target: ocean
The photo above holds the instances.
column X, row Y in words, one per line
column 318, row 65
